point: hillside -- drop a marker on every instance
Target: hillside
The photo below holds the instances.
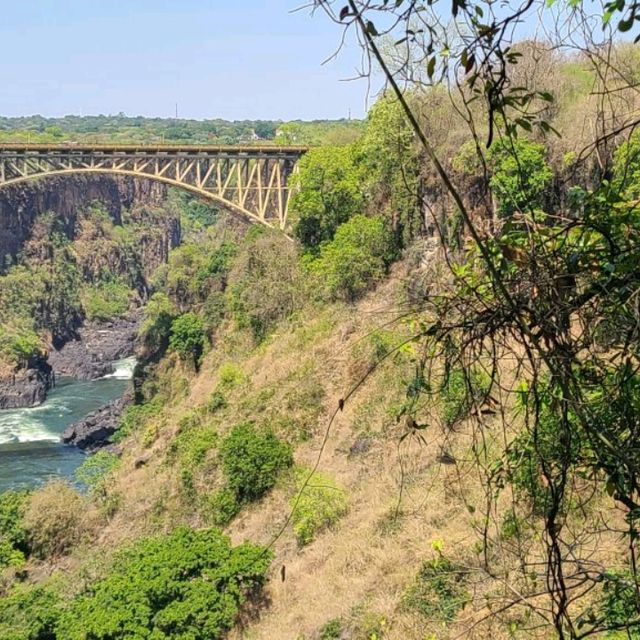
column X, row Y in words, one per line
column 415, row 416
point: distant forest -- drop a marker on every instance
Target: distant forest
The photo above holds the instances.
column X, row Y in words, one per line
column 122, row 128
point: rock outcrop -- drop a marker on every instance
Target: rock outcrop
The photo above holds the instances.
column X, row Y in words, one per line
column 26, row 387
column 94, row 431
column 97, row 346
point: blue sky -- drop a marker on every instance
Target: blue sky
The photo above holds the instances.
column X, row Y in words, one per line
column 229, row 59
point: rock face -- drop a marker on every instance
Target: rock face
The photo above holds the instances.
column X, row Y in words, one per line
column 68, row 196
column 91, row 355
column 93, row 431
column 26, row 387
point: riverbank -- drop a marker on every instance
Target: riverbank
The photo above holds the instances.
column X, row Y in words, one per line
column 30, row 447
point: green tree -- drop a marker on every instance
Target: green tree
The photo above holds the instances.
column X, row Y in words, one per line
column 187, row 337
column 389, row 158
column 520, row 175
column 356, row 259
column 327, row 191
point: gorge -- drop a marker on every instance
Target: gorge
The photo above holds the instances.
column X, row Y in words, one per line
column 87, row 363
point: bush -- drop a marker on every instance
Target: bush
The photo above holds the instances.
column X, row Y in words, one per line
column 188, row 584
column 520, row 175
column 159, row 313
column 320, row 505
column 94, row 470
column 355, row 260
column 224, row 506
column 252, row 460
column 29, row 613
column 265, row 284
column 187, row 337
column 18, row 346
column 106, row 300
column 438, row 592
column 13, row 535
column 134, row 417
column 53, row 519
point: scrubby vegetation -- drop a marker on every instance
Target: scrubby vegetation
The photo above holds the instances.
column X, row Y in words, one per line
column 455, row 360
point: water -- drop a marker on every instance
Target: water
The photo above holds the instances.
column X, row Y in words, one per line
column 30, row 448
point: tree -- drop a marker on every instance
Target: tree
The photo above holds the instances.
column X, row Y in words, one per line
column 520, row 175
column 356, row 259
column 187, row 337
column 328, row 190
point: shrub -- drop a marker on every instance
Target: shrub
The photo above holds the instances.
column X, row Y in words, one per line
column 230, row 375
column 190, row 446
column 53, row 519
column 106, row 300
column 187, row 337
column 13, row 536
column 18, row 346
column 216, row 402
column 134, row 417
column 520, row 175
column 355, row 260
column 29, row 613
column 223, row 506
column 188, row 584
column 12, row 508
column 438, row 592
column 320, row 505
column 265, row 284
column 95, row 469
column 251, row 460
column 159, row 313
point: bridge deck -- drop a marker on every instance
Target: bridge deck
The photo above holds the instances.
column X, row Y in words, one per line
column 168, row 149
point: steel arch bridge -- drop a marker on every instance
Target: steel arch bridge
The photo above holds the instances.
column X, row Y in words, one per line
column 250, row 181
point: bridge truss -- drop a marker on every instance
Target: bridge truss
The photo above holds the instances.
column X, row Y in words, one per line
column 248, row 180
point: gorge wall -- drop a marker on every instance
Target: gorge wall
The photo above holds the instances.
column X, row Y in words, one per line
column 21, row 204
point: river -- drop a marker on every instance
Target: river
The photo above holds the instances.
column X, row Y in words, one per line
column 30, row 448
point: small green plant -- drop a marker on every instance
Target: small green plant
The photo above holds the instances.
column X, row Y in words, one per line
column 332, row 630
column 216, row 402
column 223, row 507
column 252, row 460
column 190, row 447
column 134, row 417
column 93, row 472
column 460, row 391
column 230, row 376
column 320, row 505
column 438, row 593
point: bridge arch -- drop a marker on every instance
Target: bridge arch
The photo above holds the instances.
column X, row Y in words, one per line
column 248, row 181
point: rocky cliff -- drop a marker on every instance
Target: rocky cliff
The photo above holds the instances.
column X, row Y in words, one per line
column 67, row 196
column 150, row 229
